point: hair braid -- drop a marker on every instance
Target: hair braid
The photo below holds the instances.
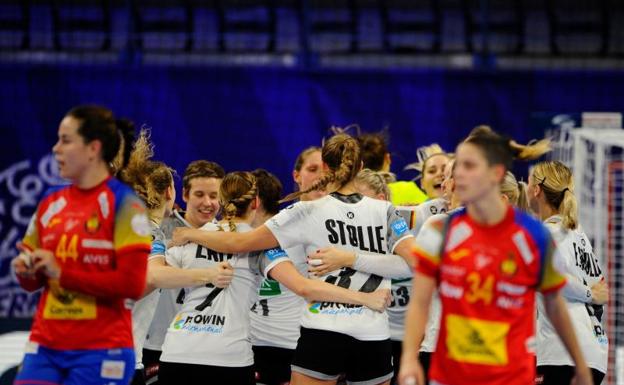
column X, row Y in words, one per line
column 237, row 191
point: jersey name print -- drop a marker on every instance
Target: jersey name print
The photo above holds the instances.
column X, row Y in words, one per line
column 355, row 223
column 487, row 290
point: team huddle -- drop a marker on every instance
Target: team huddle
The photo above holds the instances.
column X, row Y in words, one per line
column 469, row 277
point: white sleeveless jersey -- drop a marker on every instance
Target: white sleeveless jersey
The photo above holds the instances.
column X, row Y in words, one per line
column 577, row 261
column 170, row 299
column 354, row 223
column 276, row 316
column 212, row 327
column 144, row 309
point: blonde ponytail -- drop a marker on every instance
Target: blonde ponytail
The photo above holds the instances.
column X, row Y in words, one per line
column 556, row 181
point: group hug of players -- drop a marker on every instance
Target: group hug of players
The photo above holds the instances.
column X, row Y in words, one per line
column 364, row 280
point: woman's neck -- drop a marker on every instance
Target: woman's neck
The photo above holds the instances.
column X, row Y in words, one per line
column 156, row 215
column 260, row 218
column 93, row 176
column 488, row 211
column 545, row 211
column 347, row 189
column 247, row 218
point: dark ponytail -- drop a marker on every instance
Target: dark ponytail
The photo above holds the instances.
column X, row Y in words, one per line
column 126, row 131
column 116, row 135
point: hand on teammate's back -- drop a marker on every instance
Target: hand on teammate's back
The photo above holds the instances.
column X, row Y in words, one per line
column 328, row 259
column 225, row 273
column 378, row 300
column 600, row 292
column 178, row 237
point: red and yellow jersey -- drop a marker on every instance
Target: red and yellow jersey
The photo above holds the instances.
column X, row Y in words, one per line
column 487, row 278
column 101, row 239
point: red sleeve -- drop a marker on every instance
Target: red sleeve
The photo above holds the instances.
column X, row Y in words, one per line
column 126, row 281
column 425, row 265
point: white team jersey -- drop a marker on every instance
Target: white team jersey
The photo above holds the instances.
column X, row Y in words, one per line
column 276, row 316
column 402, row 288
column 577, row 261
column 170, row 299
column 144, row 309
column 426, row 209
column 354, row 223
column 212, row 327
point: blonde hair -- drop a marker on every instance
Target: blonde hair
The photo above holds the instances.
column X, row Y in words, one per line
column 515, row 191
column 341, row 154
column 301, row 158
column 149, row 179
column 557, row 183
column 376, row 181
column 237, row 191
column 423, row 154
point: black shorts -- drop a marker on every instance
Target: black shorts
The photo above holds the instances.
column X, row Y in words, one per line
column 151, row 362
column 324, row 355
column 272, row 364
column 557, row 375
column 173, row 373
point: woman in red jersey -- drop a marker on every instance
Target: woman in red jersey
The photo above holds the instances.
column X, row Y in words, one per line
column 487, row 261
column 87, row 246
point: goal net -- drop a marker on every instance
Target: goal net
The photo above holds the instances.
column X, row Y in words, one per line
column 596, row 157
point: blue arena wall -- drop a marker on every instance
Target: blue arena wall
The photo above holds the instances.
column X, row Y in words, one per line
column 249, row 117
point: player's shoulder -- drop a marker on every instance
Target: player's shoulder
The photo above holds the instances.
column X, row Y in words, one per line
column 53, row 194
column 123, row 193
column 533, row 227
column 436, row 222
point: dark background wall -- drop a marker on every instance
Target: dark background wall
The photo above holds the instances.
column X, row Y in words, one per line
column 245, row 118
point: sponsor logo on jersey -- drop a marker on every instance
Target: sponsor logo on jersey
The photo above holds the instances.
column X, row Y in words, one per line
column 476, row 341
column 92, row 225
column 200, row 323
column 96, row 259
column 273, row 254
column 510, row 288
column 433, row 210
column 509, row 303
column 456, row 255
column 350, row 215
column 334, row 308
column 270, row 287
column 509, row 267
column 178, row 322
column 53, row 222
column 399, row 227
column 453, row 271
column 451, row 291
